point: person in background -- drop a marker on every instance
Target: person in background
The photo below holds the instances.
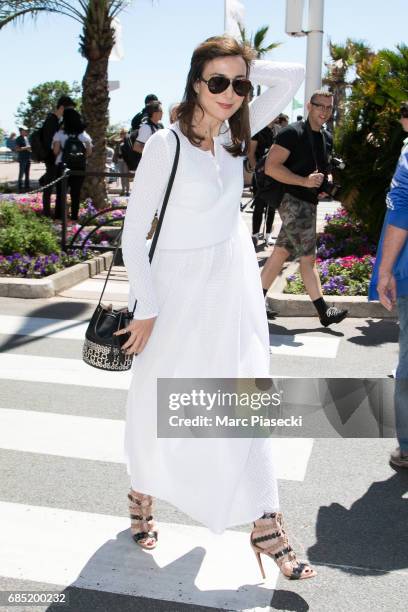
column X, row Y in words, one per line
column 121, row 165
column 23, row 151
column 389, row 284
column 299, row 118
column 11, row 144
column 72, row 126
column 300, row 160
column 49, row 128
column 149, row 125
column 258, row 147
column 138, row 118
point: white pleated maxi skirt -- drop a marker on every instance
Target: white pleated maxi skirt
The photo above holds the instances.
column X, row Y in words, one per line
column 211, row 324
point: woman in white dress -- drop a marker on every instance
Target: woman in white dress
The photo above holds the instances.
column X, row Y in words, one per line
column 200, row 309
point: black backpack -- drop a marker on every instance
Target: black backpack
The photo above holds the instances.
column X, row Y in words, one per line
column 74, row 153
column 38, row 151
column 131, row 157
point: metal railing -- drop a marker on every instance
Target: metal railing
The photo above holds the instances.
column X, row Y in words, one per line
column 64, row 191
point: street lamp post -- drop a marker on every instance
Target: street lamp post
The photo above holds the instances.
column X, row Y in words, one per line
column 314, row 33
column 314, row 48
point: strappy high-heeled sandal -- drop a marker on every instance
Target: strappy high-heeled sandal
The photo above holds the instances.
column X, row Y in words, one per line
column 142, row 525
column 268, row 537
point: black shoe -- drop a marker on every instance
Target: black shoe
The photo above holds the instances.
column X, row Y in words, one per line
column 333, row 315
column 270, row 313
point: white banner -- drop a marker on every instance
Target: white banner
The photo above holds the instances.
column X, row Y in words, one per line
column 117, row 52
column 234, row 15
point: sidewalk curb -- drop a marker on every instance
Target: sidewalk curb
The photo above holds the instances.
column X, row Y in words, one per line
column 51, row 285
column 290, row 305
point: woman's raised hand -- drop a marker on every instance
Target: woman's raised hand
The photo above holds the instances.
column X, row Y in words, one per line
column 140, row 331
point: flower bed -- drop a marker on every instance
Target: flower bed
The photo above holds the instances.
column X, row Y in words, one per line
column 86, row 210
column 39, row 266
column 343, row 236
column 29, row 244
column 342, row 276
column 345, row 258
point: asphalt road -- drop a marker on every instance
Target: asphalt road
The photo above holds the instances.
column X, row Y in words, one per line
column 63, row 515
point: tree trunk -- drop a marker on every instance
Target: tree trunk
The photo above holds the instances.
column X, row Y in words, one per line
column 95, row 108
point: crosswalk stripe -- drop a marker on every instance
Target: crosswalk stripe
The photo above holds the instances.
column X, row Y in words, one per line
column 59, row 370
column 304, row 346
column 95, row 285
column 97, row 439
column 74, row 329
column 95, row 551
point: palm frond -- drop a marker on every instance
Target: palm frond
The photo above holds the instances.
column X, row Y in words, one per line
column 117, row 6
column 14, row 10
column 6, row 18
column 259, row 36
column 270, row 47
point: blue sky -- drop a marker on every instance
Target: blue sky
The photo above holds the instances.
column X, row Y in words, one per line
column 158, row 38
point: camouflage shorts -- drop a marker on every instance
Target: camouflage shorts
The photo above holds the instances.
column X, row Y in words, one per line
column 298, row 232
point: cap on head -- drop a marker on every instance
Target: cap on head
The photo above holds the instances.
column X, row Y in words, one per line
column 23, row 127
column 150, row 98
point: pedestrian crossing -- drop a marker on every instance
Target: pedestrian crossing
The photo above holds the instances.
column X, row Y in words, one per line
column 47, row 543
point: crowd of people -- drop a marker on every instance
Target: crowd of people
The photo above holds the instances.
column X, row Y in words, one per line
column 62, row 142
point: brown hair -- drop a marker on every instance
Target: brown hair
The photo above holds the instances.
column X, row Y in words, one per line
column 321, row 92
column 216, row 46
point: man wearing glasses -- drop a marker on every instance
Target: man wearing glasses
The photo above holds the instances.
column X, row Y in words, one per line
column 300, row 161
column 389, row 284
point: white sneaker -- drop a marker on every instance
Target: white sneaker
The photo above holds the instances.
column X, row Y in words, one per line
column 269, row 240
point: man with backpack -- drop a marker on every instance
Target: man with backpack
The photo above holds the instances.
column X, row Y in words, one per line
column 71, row 146
column 41, row 141
column 299, row 163
column 150, row 125
column 138, row 118
column 133, row 143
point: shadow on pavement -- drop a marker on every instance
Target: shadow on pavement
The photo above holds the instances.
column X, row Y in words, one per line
column 120, row 567
column 372, row 537
column 59, row 310
column 277, row 330
column 375, row 333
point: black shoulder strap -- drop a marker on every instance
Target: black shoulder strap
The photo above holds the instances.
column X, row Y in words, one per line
column 308, row 130
column 160, row 222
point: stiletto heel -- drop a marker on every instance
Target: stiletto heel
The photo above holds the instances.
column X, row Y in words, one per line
column 268, row 537
column 258, row 557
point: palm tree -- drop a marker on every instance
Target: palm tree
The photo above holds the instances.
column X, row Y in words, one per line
column 343, row 57
column 257, row 41
column 96, row 42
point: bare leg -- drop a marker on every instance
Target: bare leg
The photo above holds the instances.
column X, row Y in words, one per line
column 310, row 277
column 273, row 266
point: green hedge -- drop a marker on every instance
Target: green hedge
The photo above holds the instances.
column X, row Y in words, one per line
column 24, row 232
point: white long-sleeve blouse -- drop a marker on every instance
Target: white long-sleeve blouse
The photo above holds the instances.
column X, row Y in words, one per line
column 204, row 205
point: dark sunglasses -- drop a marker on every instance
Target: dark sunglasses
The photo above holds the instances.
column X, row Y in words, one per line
column 218, row 84
column 404, row 113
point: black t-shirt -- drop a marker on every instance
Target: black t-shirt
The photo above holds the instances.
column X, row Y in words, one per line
column 302, row 160
column 265, row 139
column 137, row 120
column 49, row 128
column 23, row 142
